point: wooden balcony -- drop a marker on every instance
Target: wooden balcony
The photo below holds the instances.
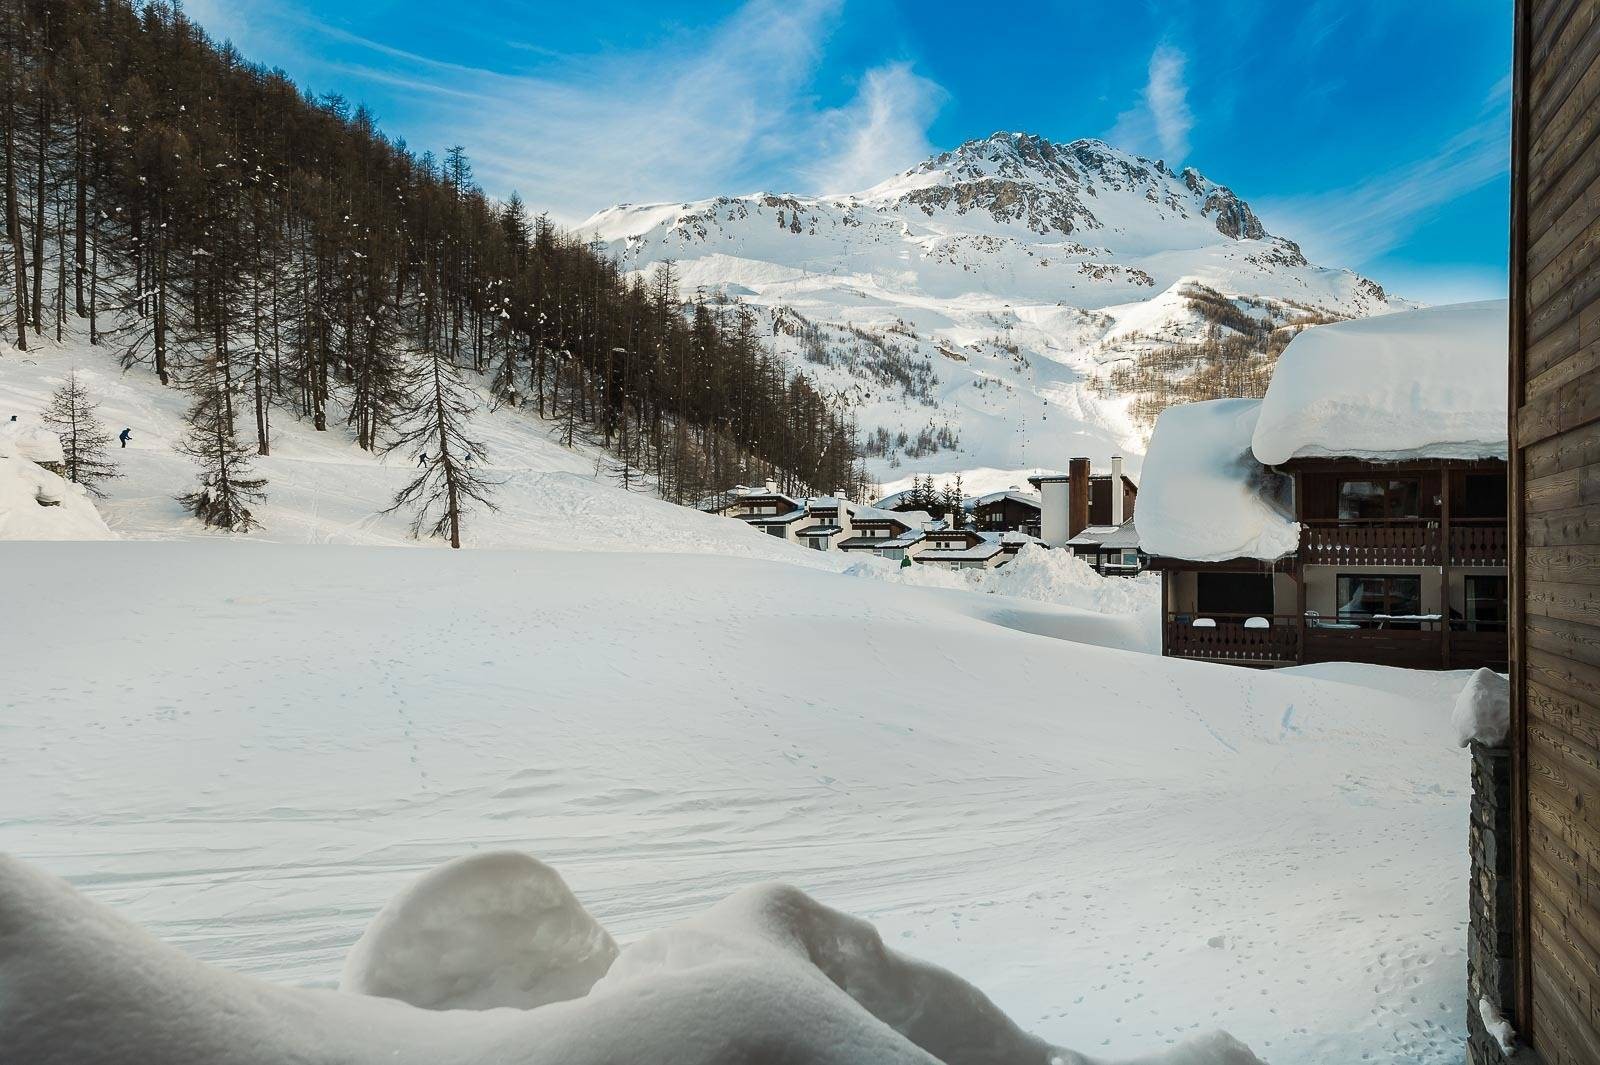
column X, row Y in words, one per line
column 1409, row 544
column 1478, row 543
column 1268, row 640
column 1354, row 543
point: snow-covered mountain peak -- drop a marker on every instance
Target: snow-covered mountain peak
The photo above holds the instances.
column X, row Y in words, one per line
column 1008, row 303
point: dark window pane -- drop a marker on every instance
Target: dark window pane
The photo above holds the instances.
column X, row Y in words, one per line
column 1405, row 499
column 1361, row 500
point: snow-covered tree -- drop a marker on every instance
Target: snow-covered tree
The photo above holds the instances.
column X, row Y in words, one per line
column 85, row 444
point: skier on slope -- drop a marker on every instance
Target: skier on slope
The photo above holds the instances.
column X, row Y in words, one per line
column 125, row 436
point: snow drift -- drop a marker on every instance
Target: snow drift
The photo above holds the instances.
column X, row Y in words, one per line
column 36, row 504
column 769, row 975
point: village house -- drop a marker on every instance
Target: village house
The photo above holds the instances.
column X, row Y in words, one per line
column 1010, row 511
column 1348, row 515
column 962, row 549
column 1091, row 515
column 873, row 530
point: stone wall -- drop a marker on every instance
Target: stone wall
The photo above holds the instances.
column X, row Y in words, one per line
column 1491, row 971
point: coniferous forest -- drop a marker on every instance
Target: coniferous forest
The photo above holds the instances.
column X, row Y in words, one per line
column 275, row 254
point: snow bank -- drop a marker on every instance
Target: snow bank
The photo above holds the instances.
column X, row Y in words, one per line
column 1428, row 383
column 1483, row 709
column 29, row 441
column 498, row 929
column 1204, row 496
column 1056, row 576
column 35, row 504
column 767, row 975
column 1036, row 573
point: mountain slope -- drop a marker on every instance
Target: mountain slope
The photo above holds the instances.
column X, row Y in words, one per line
column 1031, row 299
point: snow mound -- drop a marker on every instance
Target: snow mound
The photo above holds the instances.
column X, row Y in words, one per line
column 1483, row 709
column 1063, row 578
column 1036, row 573
column 35, row 504
column 1428, row 383
column 497, row 929
column 35, row 443
column 768, row 975
column 1204, row 496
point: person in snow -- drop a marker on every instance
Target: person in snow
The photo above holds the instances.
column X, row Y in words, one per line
column 422, row 460
column 125, row 436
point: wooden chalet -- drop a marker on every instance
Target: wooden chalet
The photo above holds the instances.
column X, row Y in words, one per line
column 1536, row 958
column 872, row 530
column 1396, row 558
column 1008, row 511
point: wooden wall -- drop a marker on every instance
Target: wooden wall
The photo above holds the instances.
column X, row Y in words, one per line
column 1555, row 525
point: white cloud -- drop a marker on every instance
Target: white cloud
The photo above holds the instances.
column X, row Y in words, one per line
column 1160, row 123
column 881, row 132
column 1355, row 225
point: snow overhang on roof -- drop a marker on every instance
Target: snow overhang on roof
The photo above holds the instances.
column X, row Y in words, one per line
column 1415, row 384
column 1205, row 497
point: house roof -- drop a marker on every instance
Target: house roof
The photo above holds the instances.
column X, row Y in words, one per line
column 986, row 549
column 776, row 519
column 850, row 543
column 1108, row 537
column 741, row 493
column 1206, row 498
column 820, row 530
column 1429, row 383
column 1027, row 499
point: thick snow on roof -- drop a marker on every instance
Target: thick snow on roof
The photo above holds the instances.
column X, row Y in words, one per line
column 1428, row 383
column 1205, row 497
column 1027, row 499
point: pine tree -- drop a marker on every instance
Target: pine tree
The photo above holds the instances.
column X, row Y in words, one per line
column 450, row 478
column 226, row 484
column 84, row 442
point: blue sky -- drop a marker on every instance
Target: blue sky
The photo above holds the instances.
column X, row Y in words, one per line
column 1375, row 133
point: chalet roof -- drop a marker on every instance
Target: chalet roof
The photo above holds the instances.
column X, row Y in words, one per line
column 1122, row 537
column 1027, row 499
column 987, row 547
column 741, row 493
column 1039, row 479
column 1417, row 384
column 852, row 542
column 820, row 530
column 905, row 539
column 776, row 519
column 1206, row 498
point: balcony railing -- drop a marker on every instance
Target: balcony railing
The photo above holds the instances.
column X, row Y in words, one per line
column 1473, row 542
column 1267, row 638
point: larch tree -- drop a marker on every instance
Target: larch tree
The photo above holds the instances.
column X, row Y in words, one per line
column 449, row 479
column 85, row 444
column 227, row 483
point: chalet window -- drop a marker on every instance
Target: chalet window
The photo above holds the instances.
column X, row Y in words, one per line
column 1486, row 602
column 774, row 530
column 1233, row 593
column 1379, row 599
column 1483, row 496
column 1380, row 500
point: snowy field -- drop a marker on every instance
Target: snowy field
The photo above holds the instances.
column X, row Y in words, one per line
column 269, row 741
column 249, row 745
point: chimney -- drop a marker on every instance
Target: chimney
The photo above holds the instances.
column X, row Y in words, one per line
column 1117, row 517
column 1078, row 496
column 772, row 487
